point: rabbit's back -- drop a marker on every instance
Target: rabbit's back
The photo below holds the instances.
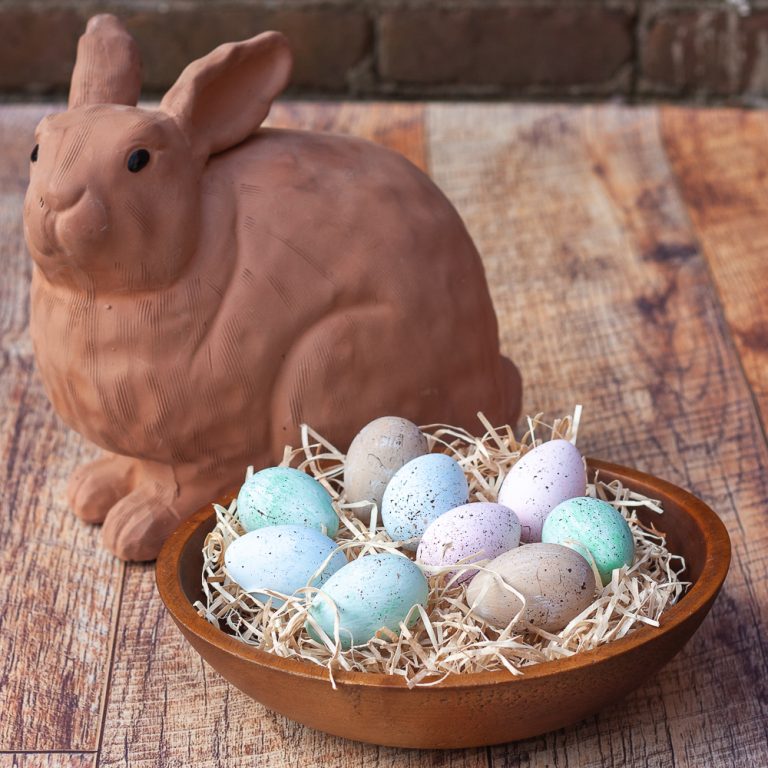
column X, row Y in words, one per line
column 328, row 220
column 348, row 253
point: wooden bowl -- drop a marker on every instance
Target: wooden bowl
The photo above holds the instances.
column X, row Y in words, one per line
column 464, row 710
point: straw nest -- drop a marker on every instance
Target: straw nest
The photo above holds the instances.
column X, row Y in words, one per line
column 447, row 638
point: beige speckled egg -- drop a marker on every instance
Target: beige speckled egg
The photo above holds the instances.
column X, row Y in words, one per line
column 557, row 583
column 377, row 452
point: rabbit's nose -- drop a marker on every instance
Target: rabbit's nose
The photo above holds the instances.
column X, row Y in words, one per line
column 59, row 198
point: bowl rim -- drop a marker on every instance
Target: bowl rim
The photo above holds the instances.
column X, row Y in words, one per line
column 716, row 563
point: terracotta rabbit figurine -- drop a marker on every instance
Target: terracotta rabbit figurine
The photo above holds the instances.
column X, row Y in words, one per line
column 202, row 286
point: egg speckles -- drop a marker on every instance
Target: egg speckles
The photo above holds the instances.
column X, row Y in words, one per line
column 471, row 532
column 556, row 582
column 549, row 474
column 376, row 453
column 370, row 593
column 592, row 527
column 285, row 496
column 282, row 558
column 418, row 493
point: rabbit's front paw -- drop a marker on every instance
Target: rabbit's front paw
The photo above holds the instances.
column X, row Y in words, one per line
column 136, row 527
column 94, row 488
column 161, row 497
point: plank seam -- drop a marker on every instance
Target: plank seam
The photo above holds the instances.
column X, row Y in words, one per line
column 47, row 751
column 112, row 653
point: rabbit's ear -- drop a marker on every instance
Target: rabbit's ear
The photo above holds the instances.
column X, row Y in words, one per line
column 221, row 99
column 108, row 66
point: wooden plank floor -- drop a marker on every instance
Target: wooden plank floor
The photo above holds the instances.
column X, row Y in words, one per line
column 626, row 252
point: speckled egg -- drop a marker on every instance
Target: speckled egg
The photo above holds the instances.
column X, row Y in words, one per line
column 556, row 582
column 377, row 452
column 285, row 496
column 592, row 526
column 471, row 532
column 370, row 593
column 550, row 473
column 282, row 558
column 418, row 493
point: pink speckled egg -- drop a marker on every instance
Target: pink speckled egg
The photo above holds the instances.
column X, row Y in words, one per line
column 546, row 476
column 477, row 531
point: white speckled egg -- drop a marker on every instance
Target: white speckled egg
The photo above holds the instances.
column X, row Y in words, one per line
column 285, row 496
column 370, row 593
column 556, row 582
column 418, row 493
column 592, row 526
column 537, row 483
column 282, row 558
column 377, row 452
column 477, row 531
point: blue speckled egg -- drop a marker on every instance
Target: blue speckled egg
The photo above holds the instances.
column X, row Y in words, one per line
column 285, row 496
column 592, row 526
column 370, row 593
column 420, row 492
column 282, row 558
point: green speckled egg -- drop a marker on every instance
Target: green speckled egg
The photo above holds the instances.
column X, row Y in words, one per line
column 591, row 526
column 286, row 496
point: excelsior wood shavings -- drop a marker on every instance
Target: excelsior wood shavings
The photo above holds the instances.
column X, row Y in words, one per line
column 447, row 638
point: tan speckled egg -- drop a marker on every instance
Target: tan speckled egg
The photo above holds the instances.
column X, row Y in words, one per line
column 377, row 452
column 557, row 583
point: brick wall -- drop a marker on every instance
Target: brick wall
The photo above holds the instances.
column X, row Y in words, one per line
column 632, row 49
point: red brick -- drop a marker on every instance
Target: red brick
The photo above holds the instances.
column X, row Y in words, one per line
column 38, row 45
column 506, row 46
column 38, row 48
column 688, row 51
column 557, row 47
column 327, row 43
column 753, row 72
column 705, row 52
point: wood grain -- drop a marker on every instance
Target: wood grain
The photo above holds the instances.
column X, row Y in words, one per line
column 48, row 760
column 165, row 706
column 602, row 275
column 395, row 125
column 719, row 158
column 59, row 588
column 604, row 298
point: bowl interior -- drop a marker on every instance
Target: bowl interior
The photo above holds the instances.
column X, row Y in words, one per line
column 190, row 567
column 685, row 536
column 693, row 530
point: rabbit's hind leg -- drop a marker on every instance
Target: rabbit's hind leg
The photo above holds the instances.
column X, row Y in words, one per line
column 95, row 487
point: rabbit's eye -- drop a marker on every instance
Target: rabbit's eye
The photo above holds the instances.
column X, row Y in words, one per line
column 137, row 160
column 33, row 156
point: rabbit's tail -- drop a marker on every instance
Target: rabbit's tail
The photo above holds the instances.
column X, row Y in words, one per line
column 512, row 390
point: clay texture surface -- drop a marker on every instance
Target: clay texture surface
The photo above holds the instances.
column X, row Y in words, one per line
column 202, row 286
